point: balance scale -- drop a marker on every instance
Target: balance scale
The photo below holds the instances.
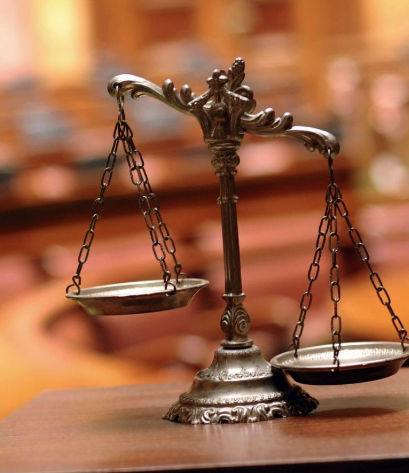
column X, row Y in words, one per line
column 240, row 385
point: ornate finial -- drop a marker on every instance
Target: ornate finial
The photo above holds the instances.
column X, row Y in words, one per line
column 220, row 108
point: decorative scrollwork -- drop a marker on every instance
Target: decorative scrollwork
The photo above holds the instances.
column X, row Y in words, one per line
column 214, row 374
column 257, row 412
column 179, row 100
column 265, row 123
column 224, row 110
column 235, row 321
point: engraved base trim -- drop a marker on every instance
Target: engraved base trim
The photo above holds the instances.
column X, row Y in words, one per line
column 184, row 398
column 302, row 404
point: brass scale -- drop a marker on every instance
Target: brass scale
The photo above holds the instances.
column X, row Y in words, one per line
column 240, row 385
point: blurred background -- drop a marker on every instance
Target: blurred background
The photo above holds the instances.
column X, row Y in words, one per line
column 342, row 66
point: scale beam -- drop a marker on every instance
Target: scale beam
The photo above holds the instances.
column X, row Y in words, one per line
column 224, row 110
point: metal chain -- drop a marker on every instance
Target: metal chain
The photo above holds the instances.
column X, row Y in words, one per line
column 148, row 204
column 150, row 209
column 329, row 223
column 335, row 288
column 96, row 211
column 333, row 245
column 312, row 275
column 376, row 281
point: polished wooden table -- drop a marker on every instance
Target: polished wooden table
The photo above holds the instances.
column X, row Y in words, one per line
column 363, row 427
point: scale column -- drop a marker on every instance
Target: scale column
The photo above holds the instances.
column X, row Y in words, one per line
column 235, row 321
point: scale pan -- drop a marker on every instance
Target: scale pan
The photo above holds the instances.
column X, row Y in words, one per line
column 359, row 362
column 137, row 297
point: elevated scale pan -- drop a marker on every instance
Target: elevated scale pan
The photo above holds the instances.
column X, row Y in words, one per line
column 137, row 297
column 359, row 362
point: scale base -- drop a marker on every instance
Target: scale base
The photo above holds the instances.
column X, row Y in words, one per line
column 239, row 386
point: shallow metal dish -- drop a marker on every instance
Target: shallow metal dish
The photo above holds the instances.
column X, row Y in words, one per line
column 359, row 362
column 137, row 297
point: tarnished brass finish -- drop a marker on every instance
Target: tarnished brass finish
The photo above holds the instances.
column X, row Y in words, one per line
column 359, row 362
column 224, row 112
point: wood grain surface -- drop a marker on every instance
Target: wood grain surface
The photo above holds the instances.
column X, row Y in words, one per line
column 119, row 429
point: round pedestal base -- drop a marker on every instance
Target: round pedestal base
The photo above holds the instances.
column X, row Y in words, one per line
column 240, row 386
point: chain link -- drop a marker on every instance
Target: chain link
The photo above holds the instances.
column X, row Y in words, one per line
column 150, row 209
column 148, row 204
column 328, row 230
column 374, row 277
column 96, row 212
column 312, row 276
column 335, row 288
column 332, row 197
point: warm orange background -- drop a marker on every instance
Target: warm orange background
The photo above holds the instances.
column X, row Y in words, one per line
column 340, row 65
